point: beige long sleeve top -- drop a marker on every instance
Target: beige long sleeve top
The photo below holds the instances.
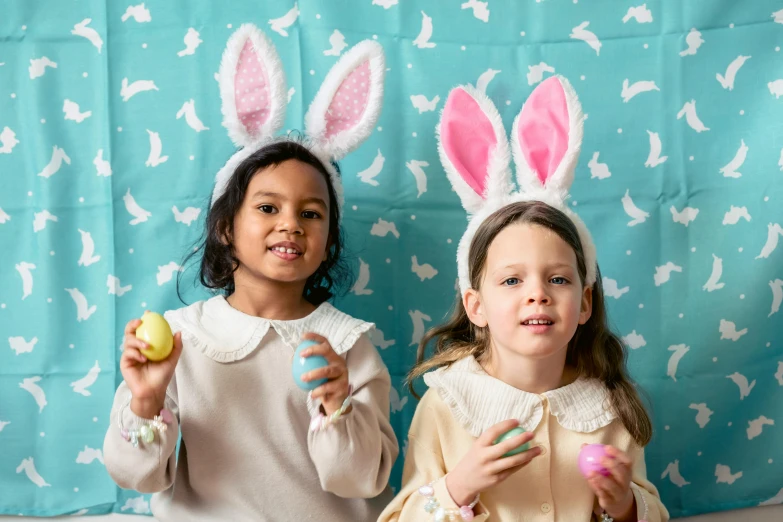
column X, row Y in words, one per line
column 463, row 401
column 246, row 452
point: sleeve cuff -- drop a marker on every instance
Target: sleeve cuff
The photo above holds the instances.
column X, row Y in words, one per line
column 642, row 511
column 442, row 494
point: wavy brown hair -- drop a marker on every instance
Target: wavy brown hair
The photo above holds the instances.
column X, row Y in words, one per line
column 594, row 351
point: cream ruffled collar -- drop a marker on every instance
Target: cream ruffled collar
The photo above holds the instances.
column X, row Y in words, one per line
column 479, row 401
column 226, row 334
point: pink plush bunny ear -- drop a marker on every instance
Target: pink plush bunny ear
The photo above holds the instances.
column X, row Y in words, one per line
column 252, row 87
column 547, row 137
column 473, row 148
column 346, row 108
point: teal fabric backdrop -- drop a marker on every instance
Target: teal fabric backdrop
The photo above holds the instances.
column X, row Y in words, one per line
column 110, row 138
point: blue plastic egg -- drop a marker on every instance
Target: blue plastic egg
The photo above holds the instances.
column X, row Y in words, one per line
column 303, row 365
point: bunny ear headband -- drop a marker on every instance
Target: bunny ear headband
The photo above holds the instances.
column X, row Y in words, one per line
column 545, row 140
column 254, row 99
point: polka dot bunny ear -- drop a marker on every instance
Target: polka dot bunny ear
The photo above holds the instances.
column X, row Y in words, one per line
column 345, row 110
column 252, row 87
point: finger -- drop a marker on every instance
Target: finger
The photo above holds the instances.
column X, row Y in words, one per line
column 592, row 481
column 619, row 455
column 613, row 489
column 133, row 324
column 514, row 461
column 493, row 432
column 132, row 357
column 618, row 473
column 498, row 450
column 503, row 475
column 132, row 341
column 339, row 388
column 617, row 470
column 600, row 491
column 320, row 339
column 606, row 487
column 176, row 351
column 333, row 371
column 323, row 349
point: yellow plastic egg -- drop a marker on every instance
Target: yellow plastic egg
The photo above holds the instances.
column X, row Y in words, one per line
column 156, row 332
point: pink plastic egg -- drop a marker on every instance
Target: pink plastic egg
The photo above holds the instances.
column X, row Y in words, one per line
column 590, row 459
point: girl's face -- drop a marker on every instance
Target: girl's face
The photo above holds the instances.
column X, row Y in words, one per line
column 281, row 232
column 530, row 296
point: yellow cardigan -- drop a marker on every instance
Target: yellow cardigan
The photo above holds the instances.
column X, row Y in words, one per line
column 463, row 401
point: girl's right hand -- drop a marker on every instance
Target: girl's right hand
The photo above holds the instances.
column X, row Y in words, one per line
column 146, row 380
column 484, row 465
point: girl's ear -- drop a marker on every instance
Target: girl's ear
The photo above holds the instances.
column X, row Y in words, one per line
column 472, row 303
column 586, row 310
column 224, row 233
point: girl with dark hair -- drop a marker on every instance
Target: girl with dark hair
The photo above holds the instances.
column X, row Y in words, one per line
column 254, row 445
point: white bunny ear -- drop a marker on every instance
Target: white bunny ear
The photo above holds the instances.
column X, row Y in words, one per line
column 473, row 148
column 346, row 108
column 547, row 137
column 252, row 87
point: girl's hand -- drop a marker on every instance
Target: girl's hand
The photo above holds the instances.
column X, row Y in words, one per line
column 333, row 393
column 484, row 466
column 614, row 492
column 146, row 380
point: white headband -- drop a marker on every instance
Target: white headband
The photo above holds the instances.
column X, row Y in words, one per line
column 254, row 98
column 546, row 140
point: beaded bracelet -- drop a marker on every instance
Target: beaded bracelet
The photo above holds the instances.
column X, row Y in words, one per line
column 146, row 432
column 606, row 518
column 441, row 514
column 321, row 421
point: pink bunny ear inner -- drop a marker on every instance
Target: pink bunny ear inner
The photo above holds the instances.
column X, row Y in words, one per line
column 543, row 129
column 467, row 138
column 252, row 87
column 349, row 102
column 251, row 90
column 347, row 105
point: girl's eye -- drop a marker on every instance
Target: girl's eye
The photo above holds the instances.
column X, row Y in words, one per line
column 511, row 281
column 267, row 209
column 310, row 214
column 559, row 280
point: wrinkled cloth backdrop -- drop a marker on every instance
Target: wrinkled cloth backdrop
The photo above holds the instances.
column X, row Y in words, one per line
column 110, row 138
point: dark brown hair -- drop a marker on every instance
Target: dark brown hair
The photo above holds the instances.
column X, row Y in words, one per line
column 594, row 351
column 218, row 262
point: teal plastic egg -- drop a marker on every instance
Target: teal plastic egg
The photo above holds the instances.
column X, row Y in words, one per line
column 303, row 365
column 509, row 434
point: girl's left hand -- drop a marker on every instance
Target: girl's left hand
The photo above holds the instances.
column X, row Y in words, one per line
column 333, row 393
column 614, row 492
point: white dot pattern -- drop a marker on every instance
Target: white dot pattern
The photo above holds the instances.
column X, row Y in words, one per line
column 350, row 101
column 251, row 90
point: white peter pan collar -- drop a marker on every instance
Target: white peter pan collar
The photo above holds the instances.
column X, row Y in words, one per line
column 479, row 401
column 227, row 335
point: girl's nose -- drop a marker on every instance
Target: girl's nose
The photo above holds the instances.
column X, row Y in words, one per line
column 290, row 223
